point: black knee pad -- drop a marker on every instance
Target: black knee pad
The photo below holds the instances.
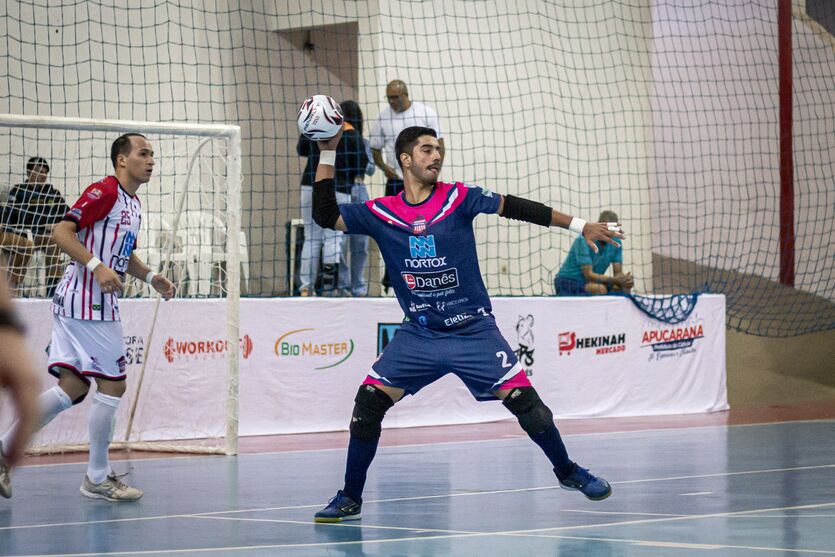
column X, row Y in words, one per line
column 525, row 404
column 370, row 409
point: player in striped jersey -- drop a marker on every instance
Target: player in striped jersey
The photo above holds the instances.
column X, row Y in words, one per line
column 99, row 233
column 425, row 235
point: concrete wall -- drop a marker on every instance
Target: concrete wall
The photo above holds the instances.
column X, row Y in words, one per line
column 769, row 371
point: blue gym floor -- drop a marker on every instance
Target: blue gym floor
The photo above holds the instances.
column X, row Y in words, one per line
column 749, row 490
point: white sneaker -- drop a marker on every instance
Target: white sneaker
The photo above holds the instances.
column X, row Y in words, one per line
column 5, row 476
column 111, row 489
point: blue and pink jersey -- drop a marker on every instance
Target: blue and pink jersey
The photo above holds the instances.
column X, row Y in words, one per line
column 430, row 251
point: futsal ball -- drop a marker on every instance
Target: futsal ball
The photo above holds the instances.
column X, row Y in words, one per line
column 319, row 118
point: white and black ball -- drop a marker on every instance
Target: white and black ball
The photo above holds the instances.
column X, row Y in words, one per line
column 319, row 118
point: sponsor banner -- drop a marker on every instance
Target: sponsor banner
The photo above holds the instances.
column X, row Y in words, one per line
column 303, row 359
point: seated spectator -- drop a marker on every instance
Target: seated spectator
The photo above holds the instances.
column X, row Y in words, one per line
column 584, row 272
column 33, row 207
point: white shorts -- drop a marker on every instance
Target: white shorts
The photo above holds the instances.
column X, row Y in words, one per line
column 87, row 348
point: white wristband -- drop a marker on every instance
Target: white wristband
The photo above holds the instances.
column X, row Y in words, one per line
column 328, row 158
column 93, row 263
column 150, row 277
column 577, row 225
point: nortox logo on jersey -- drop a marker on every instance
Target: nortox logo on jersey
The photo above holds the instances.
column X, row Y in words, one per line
column 418, row 226
column 422, row 246
column 422, row 249
column 119, row 260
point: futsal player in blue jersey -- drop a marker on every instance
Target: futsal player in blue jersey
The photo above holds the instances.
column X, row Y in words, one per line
column 425, row 235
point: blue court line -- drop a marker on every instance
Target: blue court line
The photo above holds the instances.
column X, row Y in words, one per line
column 538, row 533
column 416, row 498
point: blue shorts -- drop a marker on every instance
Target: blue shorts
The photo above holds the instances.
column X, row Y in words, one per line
column 477, row 353
column 569, row 287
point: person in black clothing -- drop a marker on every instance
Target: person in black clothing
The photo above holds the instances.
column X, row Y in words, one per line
column 34, row 207
column 351, row 161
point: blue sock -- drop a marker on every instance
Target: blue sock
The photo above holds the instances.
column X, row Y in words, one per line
column 551, row 443
column 360, row 455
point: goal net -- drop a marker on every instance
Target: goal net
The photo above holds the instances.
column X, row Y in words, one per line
column 190, row 232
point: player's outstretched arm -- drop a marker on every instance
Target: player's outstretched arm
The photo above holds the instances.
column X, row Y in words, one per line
column 64, row 235
column 517, row 208
column 158, row 282
column 325, row 208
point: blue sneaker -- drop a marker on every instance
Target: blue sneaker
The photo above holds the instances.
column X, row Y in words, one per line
column 339, row 509
column 588, row 484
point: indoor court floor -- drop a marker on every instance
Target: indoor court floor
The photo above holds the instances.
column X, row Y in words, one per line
column 709, row 485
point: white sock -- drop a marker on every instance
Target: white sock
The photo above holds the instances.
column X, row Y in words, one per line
column 100, row 428
column 51, row 403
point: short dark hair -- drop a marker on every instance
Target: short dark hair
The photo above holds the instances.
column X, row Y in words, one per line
column 352, row 113
column 36, row 161
column 407, row 139
column 122, row 146
column 608, row 216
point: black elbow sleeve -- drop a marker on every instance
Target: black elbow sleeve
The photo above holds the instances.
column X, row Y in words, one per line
column 325, row 208
column 525, row 210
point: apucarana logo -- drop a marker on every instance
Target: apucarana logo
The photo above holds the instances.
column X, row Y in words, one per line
column 307, row 344
column 672, row 340
column 202, row 349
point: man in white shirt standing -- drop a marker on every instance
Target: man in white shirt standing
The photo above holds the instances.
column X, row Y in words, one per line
column 401, row 113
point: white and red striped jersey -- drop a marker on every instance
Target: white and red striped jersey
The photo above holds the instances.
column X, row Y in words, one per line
column 108, row 220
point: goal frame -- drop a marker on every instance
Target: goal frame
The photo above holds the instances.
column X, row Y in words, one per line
column 232, row 135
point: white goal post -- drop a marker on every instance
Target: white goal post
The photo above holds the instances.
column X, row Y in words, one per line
column 185, row 134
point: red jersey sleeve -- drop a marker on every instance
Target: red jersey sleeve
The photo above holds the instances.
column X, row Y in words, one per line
column 94, row 204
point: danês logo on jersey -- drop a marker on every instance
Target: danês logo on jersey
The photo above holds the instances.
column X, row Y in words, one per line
column 430, row 282
column 305, row 343
column 94, row 193
column 202, row 349
column 423, row 252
